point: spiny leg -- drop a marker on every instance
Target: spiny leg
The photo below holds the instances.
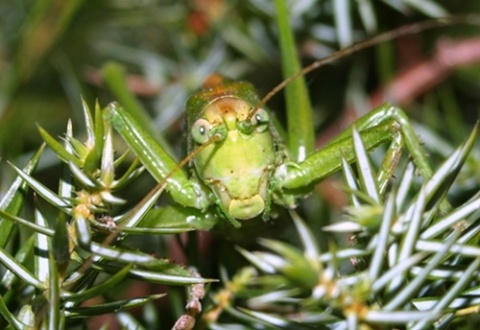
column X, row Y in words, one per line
column 384, row 124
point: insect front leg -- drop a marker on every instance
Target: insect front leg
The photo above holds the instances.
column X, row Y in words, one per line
column 384, row 124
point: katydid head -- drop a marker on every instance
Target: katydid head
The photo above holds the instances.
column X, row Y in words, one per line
column 238, row 166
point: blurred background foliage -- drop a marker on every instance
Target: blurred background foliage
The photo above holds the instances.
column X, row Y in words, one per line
column 52, row 53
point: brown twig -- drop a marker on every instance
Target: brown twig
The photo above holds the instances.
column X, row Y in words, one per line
column 417, row 80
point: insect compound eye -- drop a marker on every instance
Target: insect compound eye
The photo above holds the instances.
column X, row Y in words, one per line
column 201, row 131
column 260, row 120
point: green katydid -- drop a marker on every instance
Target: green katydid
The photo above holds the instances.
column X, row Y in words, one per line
column 244, row 189
column 240, row 164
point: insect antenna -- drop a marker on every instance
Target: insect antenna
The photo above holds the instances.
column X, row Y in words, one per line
column 383, row 37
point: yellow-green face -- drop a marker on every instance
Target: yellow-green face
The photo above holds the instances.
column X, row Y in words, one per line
column 238, row 167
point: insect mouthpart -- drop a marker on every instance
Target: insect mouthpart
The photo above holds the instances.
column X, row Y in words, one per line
column 245, row 209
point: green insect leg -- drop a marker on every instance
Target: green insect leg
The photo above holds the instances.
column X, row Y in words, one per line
column 384, row 124
column 157, row 161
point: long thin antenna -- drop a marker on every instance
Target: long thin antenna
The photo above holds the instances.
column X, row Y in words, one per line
column 386, row 36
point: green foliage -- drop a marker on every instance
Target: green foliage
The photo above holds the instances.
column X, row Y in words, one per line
column 408, row 265
column 69, row 262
